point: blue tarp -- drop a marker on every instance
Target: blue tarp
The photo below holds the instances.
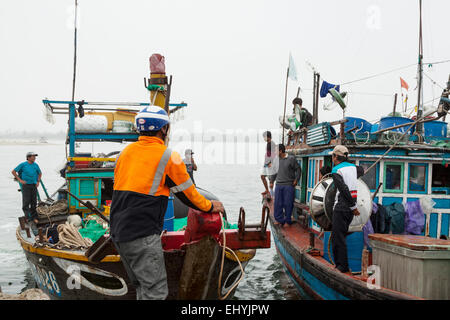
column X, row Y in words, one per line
column 327, row 86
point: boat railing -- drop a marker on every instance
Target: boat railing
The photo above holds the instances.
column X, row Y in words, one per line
column 76, row 108
column 323, row 134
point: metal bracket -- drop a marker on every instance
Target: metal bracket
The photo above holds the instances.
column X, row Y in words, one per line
column 259, row 227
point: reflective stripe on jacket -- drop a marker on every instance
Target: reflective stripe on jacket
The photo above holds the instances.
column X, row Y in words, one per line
column 146, row 172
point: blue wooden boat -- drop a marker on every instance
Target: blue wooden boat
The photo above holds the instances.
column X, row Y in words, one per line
column 401, row 166
column 304, row 247
column 407, row 173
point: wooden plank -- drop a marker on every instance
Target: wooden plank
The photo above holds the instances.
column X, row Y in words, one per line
column 412, row 242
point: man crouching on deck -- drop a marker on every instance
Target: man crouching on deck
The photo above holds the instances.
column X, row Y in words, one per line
column 345, row 176
column 145, row 173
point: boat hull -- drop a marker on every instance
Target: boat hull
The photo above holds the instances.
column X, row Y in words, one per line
column 313, row 276
column 69, row 276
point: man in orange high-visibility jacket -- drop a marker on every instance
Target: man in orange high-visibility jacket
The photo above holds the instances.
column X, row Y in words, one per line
column 145, row 173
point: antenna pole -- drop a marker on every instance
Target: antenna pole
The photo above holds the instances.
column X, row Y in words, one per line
column 285, row 98
column 75, row 52
column 316, row 98
column 395, row 105
column 419, row 127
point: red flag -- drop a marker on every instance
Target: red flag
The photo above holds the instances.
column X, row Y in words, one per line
column 404, row 84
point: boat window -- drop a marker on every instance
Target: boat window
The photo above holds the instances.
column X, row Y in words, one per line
column 371, row 177
column 440, row 183
column 393, row 177
column 417, row 177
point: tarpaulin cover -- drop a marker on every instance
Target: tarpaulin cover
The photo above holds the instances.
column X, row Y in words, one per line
column 378, row 218
column 327, row 86
column 367, row 229
column 395, row 214
column 414, row 218
column 157, row 64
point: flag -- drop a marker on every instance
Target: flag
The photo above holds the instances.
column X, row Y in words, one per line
column 404, row 84
column 292, row 73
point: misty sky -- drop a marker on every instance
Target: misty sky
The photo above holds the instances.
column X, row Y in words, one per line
column 228, row 58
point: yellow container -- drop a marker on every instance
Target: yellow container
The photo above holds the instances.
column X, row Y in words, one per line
column 106, row 212
column 124, row 116
column 160, row 98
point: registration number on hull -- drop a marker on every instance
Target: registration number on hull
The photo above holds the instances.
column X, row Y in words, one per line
column 45, row 280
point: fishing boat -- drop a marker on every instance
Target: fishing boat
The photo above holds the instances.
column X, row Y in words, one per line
column 398, row 247
column 205, row 255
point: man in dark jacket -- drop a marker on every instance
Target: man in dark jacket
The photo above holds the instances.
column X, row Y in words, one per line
column 146, row 172
column 288, row 175
column 345, row 177
column 301, row 112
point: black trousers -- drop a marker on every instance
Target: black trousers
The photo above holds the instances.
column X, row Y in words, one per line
column 29, row 200
column 341, row 222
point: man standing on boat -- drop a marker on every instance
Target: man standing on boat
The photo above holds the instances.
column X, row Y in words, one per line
column 303, row 115
column 345, row 177
column 270, row 166
column 190, row 163
column 29, row 175
column 145, row 173
column 289, row 173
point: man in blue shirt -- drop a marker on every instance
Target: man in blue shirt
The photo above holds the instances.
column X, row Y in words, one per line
column 29, row 175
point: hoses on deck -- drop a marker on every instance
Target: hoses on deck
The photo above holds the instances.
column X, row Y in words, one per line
column 224, row 247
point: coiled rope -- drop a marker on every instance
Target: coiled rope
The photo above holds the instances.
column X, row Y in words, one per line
column 57, row 208
column 70, row 236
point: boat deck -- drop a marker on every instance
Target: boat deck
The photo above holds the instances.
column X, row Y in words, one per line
column 297, row 257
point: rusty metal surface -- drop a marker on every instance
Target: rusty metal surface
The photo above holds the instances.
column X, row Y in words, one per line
column 196, row 275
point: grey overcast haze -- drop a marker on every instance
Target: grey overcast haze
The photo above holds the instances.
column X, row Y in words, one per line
column 228, row 58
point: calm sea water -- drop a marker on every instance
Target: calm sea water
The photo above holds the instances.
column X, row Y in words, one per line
column 235, row 185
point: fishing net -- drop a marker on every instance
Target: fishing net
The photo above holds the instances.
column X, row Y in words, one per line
column 48, row 115
column 92, row 230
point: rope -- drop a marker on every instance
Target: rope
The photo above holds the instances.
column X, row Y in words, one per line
column 57, row 208
column 434, row 82
column 356, row 139
column 438, row 62
column 70, row 236
column 378, row 74
column 219, row 287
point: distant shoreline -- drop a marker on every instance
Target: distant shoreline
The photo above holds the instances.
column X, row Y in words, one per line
column 6, row 142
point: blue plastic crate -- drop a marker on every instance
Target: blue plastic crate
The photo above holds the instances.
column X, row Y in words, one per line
column 355, row 246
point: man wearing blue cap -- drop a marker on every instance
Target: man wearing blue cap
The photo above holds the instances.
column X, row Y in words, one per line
column 29, row 175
